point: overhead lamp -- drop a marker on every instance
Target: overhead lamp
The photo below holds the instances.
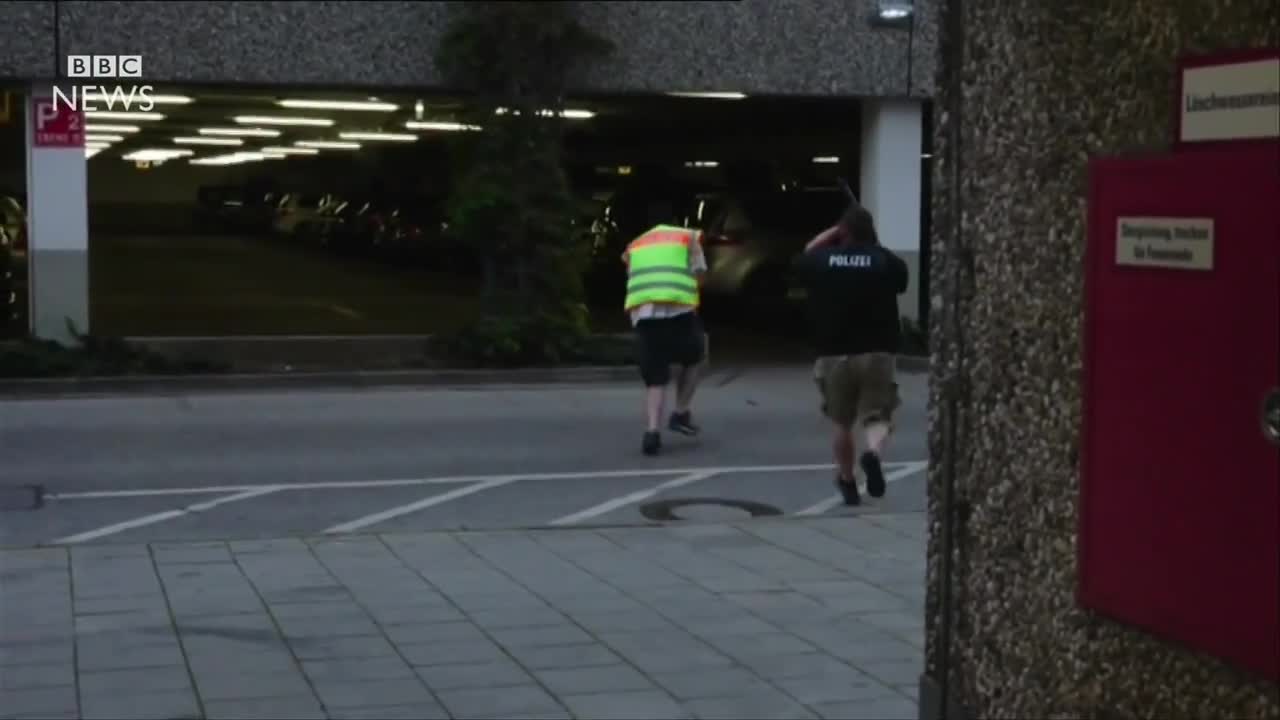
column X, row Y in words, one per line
column 826, row 160
column 278, row 120
column 290, row 151
column 100, row 144
column 91, row 151
column 441, row 126
column 122, row 115
column 207, row 141
column 378, row 136
column 103, row 138
column 360, row 105
column 157, row 154
column 239, row 132
column 568, row 114
column 229, row 159
column 702, row 164
column 100, row 127
column 418, row 109
column 893, row 13
column 97, row 96
column 328, row 145
column 710, row 95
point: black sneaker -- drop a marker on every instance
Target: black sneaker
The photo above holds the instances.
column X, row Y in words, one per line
column 652, row 443
column 875, row 474
column 683, row 424
column 848, row 491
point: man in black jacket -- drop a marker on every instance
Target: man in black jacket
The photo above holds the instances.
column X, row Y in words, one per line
column 853, row 285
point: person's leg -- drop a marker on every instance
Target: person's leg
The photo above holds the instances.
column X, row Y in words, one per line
column 844, row 447
column 693, row 362
column 655, row 371
column 875, row 414
column 839, row 404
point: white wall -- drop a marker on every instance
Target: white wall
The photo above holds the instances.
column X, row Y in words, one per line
column 892, row 142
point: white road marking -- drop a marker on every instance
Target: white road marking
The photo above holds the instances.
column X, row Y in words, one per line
column 163, row 516
column 443, row 480
column 635, row 497
column 903, row 471
column 413, row 507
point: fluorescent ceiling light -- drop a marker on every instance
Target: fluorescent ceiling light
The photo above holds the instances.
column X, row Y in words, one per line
column 103, row 138
column 290, row 151
column 711, row 95
column 827, row 160
column 97, row 144
column 240, row 132
column 91, row 151
column 442, row 126
column 126, row 115
column 100, row 127
column 702, row 164
column 277, row 120
column 95, row 96
column 376, row 136
column 328, row 145
column 231, row 159
column 339, row 105
column 207, row 141
column 157, row 154
column 568, row 114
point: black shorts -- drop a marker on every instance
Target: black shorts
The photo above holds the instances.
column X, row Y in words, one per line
column 663, row 342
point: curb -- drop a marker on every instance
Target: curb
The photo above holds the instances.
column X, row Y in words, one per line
column 254, row 382
column 162, row 384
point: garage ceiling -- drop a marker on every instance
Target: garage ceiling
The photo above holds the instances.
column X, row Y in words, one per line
column 619, row 126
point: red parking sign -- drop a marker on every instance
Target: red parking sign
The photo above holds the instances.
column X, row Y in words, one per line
column 57, row 124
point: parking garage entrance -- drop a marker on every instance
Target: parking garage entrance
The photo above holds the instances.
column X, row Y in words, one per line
column 271, row 213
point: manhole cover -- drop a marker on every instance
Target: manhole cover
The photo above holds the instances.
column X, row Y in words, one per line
column 22, row 497
column 705, row 509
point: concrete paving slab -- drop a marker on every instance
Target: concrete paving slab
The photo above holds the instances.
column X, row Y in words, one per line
column 734, row 624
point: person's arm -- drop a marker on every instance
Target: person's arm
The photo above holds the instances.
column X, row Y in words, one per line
column 823, row 239
column 697, row 258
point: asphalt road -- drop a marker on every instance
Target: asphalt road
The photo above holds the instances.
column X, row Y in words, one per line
column 142, row 469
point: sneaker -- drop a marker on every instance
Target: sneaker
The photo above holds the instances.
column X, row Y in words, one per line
column 875, row 474
column 652, row 443
column 683, row 424
column 848, row 491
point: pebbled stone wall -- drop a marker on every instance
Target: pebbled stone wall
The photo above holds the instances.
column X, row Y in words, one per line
column 1046, row 84
column 782, row 47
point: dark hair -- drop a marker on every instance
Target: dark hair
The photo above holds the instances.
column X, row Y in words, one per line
column 859, row 226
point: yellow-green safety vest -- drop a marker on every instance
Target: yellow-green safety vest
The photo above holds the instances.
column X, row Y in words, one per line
column 658, row 268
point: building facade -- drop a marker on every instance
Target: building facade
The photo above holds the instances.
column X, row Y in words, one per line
column 867, row 49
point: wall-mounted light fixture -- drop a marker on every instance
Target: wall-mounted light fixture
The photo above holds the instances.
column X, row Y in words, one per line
column 893, row 13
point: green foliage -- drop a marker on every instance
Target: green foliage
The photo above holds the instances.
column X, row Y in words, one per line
column 511, row 199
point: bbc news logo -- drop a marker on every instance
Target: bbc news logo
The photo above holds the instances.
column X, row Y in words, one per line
column 111, row 97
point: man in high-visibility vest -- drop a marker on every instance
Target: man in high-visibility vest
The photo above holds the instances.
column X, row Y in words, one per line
column 664, row 267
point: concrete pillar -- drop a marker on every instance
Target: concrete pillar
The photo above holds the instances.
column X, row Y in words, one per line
column 57, row 217
column 889, row 179
column 1046, row 85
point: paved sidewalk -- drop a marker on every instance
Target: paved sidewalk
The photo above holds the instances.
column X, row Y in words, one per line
column 760, row 619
